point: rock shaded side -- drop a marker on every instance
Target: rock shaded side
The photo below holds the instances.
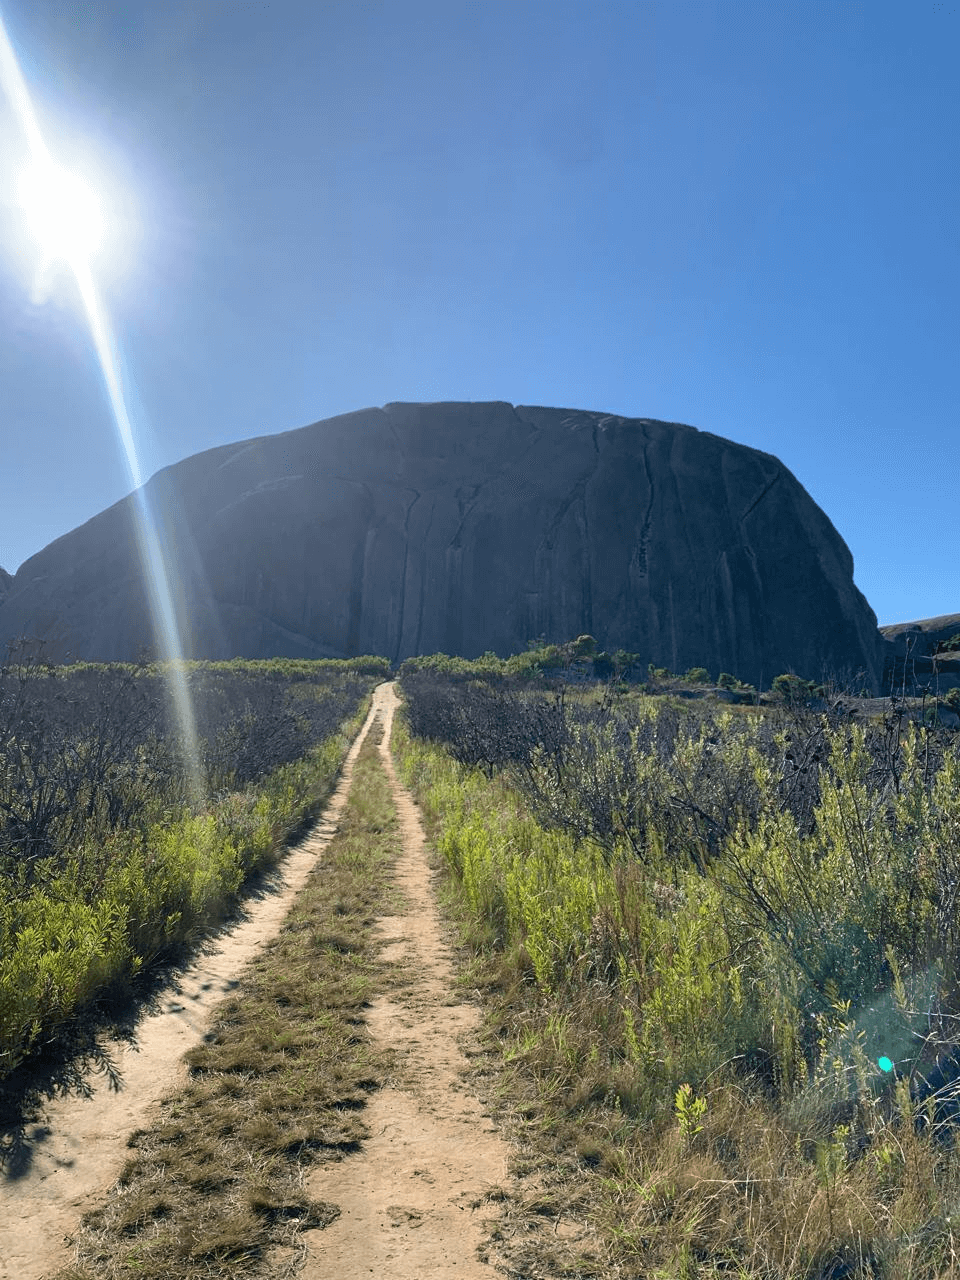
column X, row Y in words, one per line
column 922, row 636
column 911, row 654
column 6, row 582
column 468, row 527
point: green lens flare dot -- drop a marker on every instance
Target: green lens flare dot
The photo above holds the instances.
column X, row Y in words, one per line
column 884, row 1064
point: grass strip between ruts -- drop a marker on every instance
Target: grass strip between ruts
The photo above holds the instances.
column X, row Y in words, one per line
column 215, row 1187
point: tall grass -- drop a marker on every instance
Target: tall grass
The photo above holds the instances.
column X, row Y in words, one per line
column 734, row 995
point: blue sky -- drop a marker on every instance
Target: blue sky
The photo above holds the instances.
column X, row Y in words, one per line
column 737, row 215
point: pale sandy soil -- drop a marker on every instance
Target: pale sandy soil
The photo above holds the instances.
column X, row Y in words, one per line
column 413, row 1200
column 75, row 1149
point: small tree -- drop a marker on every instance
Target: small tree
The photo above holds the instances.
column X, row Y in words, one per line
column 583, row 647
column 792, row 690
column 626, row 662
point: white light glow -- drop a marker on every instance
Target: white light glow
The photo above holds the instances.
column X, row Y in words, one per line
column 61, row 212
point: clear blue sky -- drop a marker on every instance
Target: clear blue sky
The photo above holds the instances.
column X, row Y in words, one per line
column 737, row 215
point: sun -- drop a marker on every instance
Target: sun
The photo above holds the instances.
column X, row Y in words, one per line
column 61, row 211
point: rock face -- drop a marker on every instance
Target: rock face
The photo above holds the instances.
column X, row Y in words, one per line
column 419, row 528
column 6, row 582
column 914, row 658
column 920, row 637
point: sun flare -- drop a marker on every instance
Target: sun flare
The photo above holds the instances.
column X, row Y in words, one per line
column 61, row 211
column 64, row 215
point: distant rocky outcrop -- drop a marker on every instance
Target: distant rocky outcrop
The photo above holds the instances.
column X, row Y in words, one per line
column 468, row 527
column 921, row 653
column 6, row 582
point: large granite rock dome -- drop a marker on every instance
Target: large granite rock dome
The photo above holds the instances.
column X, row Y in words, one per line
column 466, row 527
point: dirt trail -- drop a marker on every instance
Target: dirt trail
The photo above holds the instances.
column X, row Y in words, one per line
column 75, row 1150
column 412, row 1200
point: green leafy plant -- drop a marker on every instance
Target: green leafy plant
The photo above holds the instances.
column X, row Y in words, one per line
column 689, row 1111
column 697, row 675
column 792, row 690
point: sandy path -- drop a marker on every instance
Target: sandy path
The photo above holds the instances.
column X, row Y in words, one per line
column 411, row 1200
column 78, row 1145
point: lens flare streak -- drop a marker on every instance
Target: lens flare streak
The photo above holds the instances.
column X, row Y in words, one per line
column 151, row 552
column 16, row 90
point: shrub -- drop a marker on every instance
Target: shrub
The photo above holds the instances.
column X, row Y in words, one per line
column 104, row 864
column 732, row 940
column 792, row 690
column 626, row 663
column 798, row 839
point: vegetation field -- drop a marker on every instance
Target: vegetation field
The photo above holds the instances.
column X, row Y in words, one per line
column 215, row 1187
column 721, row 943
column 111, row 858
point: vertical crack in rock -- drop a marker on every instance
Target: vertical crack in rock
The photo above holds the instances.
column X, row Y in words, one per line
column 758, row 637
column 358, row 568
column 585, row 534
column 553, row 529
column 465, row 507
column 453, row 615
column 403, row 574
column 641, row 550
column 423, row 574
